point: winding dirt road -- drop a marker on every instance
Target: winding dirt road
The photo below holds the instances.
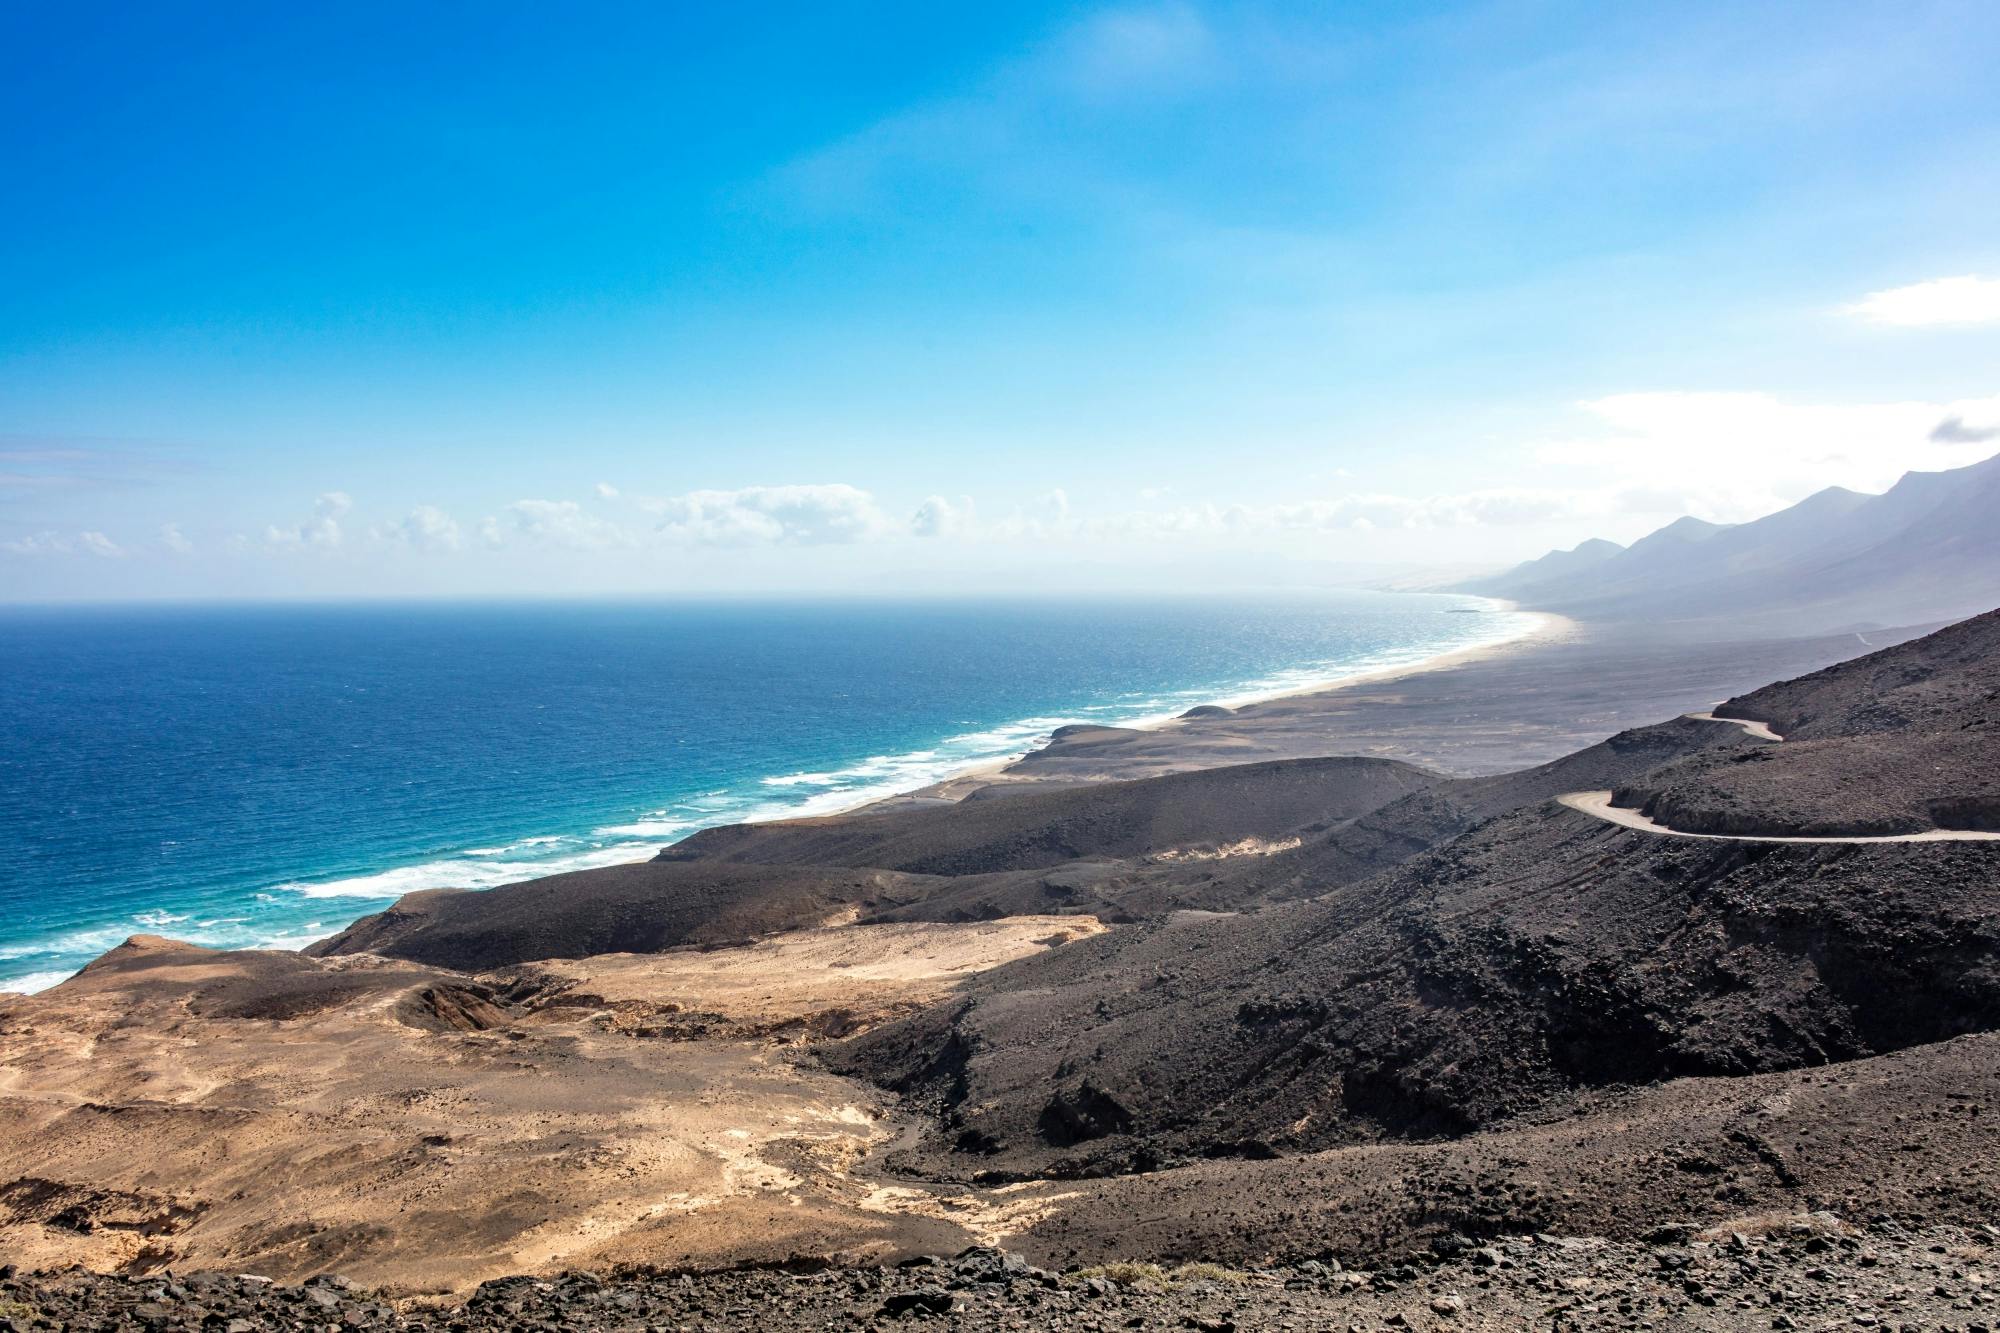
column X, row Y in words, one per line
column 1597, row 804
column 1761, row 730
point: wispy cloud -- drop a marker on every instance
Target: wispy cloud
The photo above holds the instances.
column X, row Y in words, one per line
column 1360, row 513
column 320, row 532
column 425, row 528
column 1731, row 456
column 39, row 543
column 811, row 515
column 89, row 542
column 1006, row 133
column 51, row 463
column 1963, row 300
column 559, row 523
column 1146, row 51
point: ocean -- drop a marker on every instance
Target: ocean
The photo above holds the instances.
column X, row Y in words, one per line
column 262, row 775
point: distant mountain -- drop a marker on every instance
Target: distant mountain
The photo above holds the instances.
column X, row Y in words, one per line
column 1928, row 549
column 1554, row 566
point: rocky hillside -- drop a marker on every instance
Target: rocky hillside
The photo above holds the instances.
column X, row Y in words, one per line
column 1901, row 741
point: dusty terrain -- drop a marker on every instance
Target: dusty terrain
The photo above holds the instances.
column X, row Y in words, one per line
column 178, row 1107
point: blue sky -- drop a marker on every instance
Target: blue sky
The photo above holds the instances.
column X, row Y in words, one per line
column 334, row 300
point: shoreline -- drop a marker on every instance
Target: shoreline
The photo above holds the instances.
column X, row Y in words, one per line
column 1537, row 627
column 1544, row 628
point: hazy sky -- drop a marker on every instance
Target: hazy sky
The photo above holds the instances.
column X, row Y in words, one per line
column 328, row 299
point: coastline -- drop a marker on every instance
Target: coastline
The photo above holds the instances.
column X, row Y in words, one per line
column 1543, row 628
column 1500, row 705
column 787, row 797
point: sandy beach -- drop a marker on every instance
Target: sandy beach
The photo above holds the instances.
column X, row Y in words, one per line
column 1484, row 709
column 1542, row 627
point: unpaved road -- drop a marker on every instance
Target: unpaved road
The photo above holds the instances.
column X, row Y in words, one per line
column 1598, row 804
column 1761, row 730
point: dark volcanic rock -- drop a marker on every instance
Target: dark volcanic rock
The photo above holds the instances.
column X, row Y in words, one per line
column 640, row 908
column 1804, row 1271
column 1036, row 830
column 1900, row 741
column 1543, row 953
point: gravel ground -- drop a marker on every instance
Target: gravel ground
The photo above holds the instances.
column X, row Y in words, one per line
column 1806, row 1272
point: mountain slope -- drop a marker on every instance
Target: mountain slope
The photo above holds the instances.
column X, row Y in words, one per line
column 1535, row 956
column 1035, row 830
column 1925, row 550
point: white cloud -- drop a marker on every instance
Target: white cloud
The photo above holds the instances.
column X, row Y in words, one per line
column 55, row 543
column 321, row 531
column 426, row 528
column 172, row 538
column 555, row 523
column 39, row 543
column 939, row 517
column 606, row 491
column 1734, row 456
column 1007, row 131
column 762, row 515
column 1966, row 299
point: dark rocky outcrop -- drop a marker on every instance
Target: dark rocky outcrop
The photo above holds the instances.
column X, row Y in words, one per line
column 1899, row 741
column 640, row 908
column 1036, row 830
column 1542, row 954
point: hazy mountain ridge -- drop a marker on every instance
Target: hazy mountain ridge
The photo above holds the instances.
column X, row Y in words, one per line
column 1927, row 549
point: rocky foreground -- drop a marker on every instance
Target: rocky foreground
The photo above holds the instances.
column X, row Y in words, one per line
column 1807, row 1272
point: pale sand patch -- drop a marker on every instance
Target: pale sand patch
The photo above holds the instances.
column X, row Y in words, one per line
column 1242, row 847
column 799, row 974
column 338, row 1136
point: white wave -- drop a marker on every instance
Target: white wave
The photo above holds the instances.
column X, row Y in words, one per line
column 802, row 794
column 312, row 934
column 462, row 874
column 542, row 840
column 86, row 942
column 662, row 828
column 30, row 982
column 1008, row 734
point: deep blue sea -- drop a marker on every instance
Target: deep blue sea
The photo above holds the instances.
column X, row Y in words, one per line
column 263, row 775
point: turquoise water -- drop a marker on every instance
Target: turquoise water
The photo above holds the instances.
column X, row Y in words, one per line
column 263, row 775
